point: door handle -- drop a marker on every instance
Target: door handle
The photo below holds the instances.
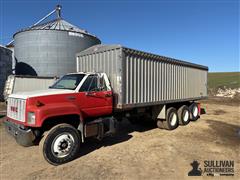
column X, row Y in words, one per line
column 90, row 94
column 71, row 97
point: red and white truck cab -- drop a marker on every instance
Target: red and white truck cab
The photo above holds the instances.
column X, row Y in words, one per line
column 73, row 104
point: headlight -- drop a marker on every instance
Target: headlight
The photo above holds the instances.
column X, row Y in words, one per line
column 31, row 118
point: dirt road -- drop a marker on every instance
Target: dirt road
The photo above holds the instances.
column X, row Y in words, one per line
column 137, row 152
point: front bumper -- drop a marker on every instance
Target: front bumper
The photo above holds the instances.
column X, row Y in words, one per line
column 24, row 137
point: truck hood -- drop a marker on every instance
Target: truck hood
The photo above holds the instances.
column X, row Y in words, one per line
column 29, row 94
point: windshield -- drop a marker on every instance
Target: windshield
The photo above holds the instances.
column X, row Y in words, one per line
column 70, row 81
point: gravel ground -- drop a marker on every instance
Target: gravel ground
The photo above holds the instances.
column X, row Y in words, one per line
column 137, row 152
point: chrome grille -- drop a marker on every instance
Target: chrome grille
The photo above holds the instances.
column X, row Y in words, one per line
column 16, row 109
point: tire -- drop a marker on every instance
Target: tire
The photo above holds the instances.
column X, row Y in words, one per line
column 183, row 115
column 171, row 121
column 194, row 114
column 61, row 144
column 160, row 124
column 133, row 120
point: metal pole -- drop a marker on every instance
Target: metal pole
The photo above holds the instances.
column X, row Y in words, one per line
column 44, row 18
column 57, row 9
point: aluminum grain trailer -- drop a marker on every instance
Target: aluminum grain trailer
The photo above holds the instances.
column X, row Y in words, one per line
column 146, row 82
column 23, row 83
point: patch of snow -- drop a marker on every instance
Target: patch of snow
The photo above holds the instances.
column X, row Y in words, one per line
column 227, row 92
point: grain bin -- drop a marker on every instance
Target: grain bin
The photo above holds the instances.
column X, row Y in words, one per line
column 48, row 49
column 5, row 67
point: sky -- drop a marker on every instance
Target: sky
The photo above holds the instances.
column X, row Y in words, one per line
column 200, row 31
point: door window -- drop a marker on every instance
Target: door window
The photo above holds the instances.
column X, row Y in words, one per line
column 90, row 84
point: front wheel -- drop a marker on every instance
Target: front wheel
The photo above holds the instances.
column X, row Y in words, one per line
column 61, row 144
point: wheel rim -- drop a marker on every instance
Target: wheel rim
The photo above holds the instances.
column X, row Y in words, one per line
column 195, row 111
column 185, row 116
column 173, row 120
column 62, row 145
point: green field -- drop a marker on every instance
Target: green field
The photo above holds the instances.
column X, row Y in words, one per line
column 223, row 79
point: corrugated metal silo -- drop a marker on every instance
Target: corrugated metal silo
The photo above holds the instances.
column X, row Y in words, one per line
column 49, row 49
column 5, row 67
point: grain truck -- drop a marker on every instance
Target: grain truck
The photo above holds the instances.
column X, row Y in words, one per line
column 112, row 83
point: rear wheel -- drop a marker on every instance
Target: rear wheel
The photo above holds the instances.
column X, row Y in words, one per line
column 61, row 144
column 183, row 115
column 133, row 120
column 160, row 124
column 171, row 121
column 194, row 111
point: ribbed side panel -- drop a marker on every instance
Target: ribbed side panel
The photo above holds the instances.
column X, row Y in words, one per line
column 5, row 68
column 150, row 80
column 138, row 80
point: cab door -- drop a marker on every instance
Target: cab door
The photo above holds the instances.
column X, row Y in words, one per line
column 95, row 96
